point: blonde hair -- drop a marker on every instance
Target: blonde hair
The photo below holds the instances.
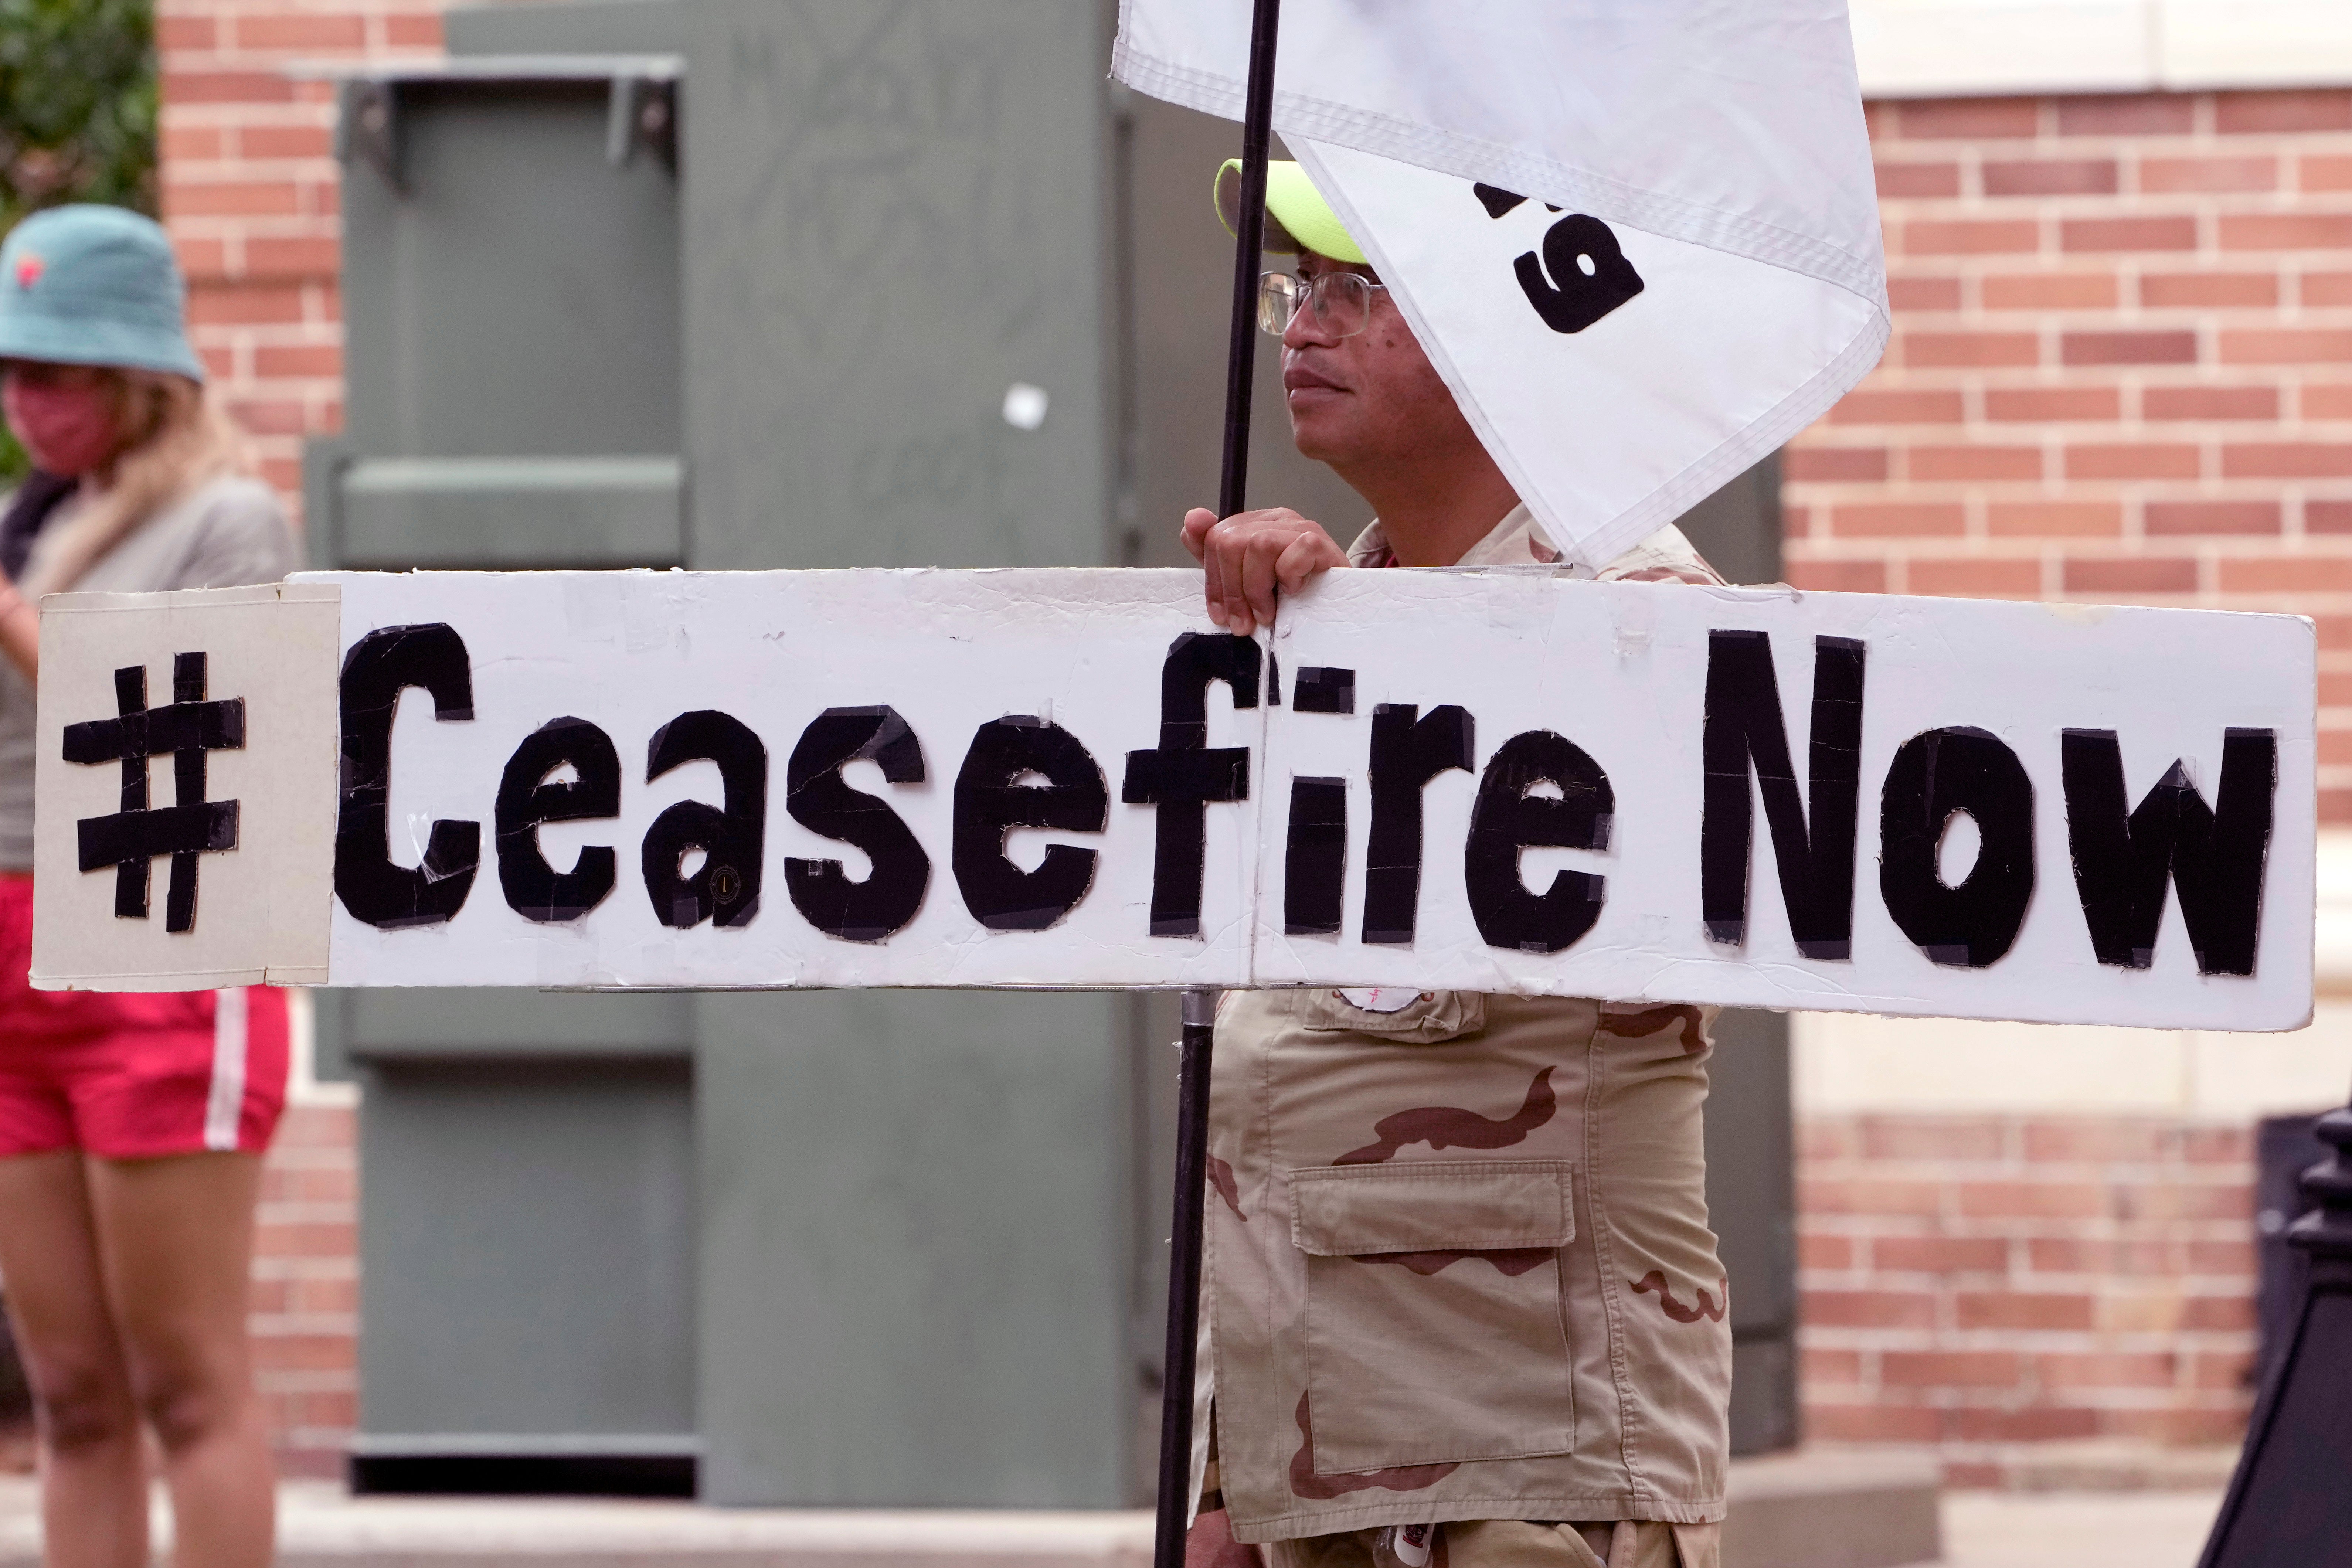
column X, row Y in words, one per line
column 177, row 438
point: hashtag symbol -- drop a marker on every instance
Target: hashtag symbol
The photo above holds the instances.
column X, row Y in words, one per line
column 129, row 840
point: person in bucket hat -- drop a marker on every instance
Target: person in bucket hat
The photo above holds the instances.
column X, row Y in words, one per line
column 1554, row 1391
column 132, row 1126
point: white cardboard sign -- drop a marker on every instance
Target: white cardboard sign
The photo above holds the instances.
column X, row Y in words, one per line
column 1500, row 780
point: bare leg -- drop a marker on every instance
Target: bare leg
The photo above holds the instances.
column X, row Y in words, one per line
column 93, row 1473
column 176, row 1239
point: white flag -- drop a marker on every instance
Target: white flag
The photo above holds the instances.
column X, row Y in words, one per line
column 1638, row 237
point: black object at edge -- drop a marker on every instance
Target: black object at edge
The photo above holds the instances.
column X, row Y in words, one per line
column 2287, row 1505
column 524, row 1475
column 1200, row 1006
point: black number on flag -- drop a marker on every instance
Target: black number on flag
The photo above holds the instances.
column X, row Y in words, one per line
column 1582, row 275
column 130, row 839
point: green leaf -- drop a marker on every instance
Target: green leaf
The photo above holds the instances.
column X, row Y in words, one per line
column 77, row 115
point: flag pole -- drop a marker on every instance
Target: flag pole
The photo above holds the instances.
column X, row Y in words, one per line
column 1178, row 1368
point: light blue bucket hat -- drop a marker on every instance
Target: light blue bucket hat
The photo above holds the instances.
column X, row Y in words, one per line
column 94, row 285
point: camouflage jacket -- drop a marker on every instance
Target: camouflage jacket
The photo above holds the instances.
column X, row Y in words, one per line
column 1458, row 1263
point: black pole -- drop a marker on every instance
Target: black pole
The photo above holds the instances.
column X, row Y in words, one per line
column 2289, row 1504
column 1249, row 251
column 1201, row 1007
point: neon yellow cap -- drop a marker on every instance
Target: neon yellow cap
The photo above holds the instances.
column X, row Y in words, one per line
column 1297, row 218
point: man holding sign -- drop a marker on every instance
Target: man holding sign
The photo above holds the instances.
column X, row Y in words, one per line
column 1460, row 1275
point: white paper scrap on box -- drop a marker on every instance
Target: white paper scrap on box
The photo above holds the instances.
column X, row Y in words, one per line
column 1498, row 780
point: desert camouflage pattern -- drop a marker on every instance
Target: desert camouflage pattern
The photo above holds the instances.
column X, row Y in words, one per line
column 1458, row 1265
column 1507, row 1543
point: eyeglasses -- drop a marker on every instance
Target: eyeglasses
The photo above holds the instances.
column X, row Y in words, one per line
column 1342, row 301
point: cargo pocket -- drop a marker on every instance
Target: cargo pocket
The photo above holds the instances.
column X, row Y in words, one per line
column 1434, row 1332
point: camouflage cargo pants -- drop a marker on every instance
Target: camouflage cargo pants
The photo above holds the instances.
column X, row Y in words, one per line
column 1467, row 1544
column 1463, row 1543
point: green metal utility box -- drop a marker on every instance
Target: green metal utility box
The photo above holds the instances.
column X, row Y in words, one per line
column 781, row 283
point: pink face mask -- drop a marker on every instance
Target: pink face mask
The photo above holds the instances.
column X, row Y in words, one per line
column 65, row 430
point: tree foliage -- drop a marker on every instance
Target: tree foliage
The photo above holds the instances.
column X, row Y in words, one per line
column 77, row 104
column 76, row 114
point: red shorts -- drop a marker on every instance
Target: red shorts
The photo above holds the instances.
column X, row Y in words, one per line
column 131, row 1076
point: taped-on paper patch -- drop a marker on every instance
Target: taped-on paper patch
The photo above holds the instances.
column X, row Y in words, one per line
column 1744, row 721
column 1934, row 777
column 2214, row 855
column 822, row 800
column 725, row 888
column 379, row 668
column 988, row 803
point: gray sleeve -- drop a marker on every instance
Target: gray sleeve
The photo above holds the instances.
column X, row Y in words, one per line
column 245, row 538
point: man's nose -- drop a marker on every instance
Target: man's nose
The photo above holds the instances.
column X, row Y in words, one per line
column 1308, row 329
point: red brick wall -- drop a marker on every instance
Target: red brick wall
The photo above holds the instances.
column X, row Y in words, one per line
column 249, row 193
column 2121, row 370
column 1981, row 1281
column 306, row 1285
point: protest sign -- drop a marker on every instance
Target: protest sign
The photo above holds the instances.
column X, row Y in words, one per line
column 1500, row 780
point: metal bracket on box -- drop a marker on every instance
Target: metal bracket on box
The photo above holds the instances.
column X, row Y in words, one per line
column 369, row 128
column 642, row 116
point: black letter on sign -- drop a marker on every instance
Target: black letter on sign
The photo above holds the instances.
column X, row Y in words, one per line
column 129, row 838
column 1183, row 775
column 1324, row 688
column 821, row 802
column 1509, row 819
column 1000, row 895
column 1743, row 720
column 726, row 885
column 1405, row 757
column 1315, row 861
column 2215, row 855
column 534, row 889
column 1935, row 776
column 379, row 667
